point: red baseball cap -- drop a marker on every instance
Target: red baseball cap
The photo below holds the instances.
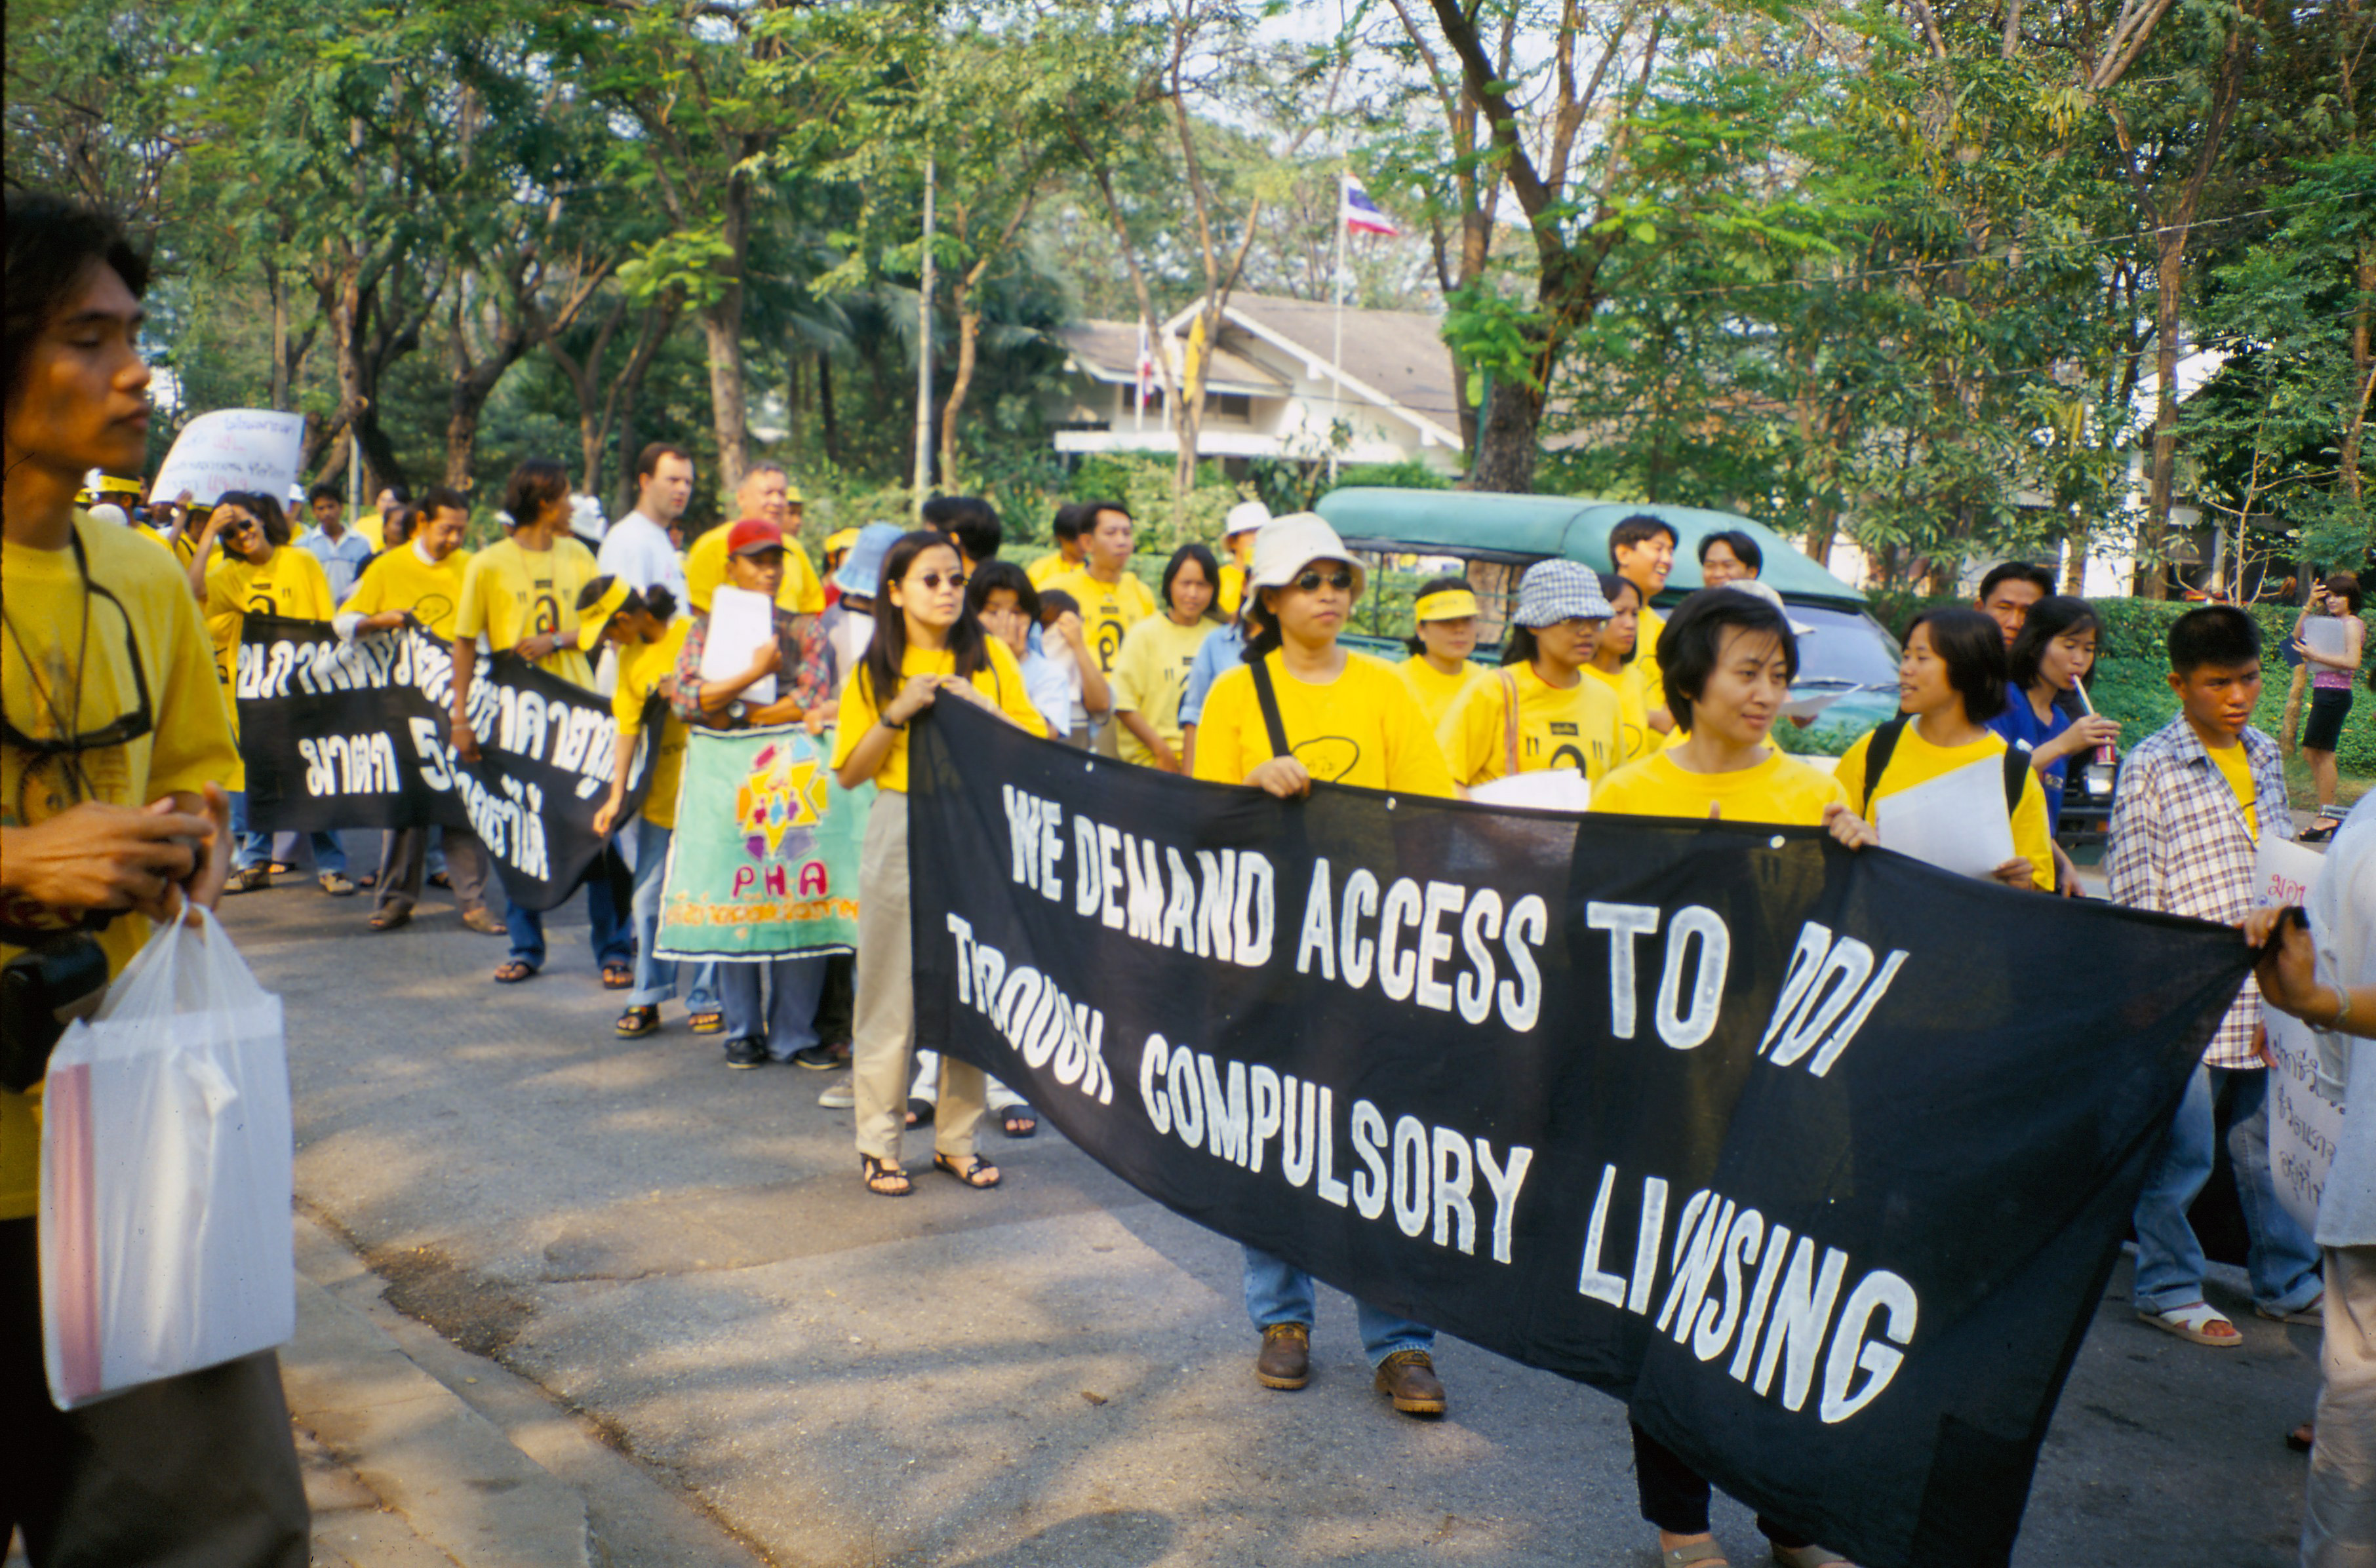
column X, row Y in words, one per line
column 752, row 535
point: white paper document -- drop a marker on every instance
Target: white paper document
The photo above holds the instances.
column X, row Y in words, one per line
column 1558, row 790
column 741, row 623
column 2327, row 634
column 1807, row 707
column 1956, row 821
column 2284, row 873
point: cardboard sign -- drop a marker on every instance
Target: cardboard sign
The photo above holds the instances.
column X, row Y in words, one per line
column 2304, row 1125
column 232, row 449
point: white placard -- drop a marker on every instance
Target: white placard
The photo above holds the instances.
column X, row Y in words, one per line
column 1956, row 821
column 232, row 449
column 2284, row 873
column 2303, row 1123
column 2326, row 634
column 741, row 623
column 1553, row 789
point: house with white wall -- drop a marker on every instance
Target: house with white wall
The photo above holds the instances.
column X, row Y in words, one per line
column 1283, row 375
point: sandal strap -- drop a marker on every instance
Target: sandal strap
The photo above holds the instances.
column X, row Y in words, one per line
column 1697, row 1551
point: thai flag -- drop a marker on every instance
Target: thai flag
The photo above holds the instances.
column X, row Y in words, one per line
column 1361, row 215
column 1146, row 364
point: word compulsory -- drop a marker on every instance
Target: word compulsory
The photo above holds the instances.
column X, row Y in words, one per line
column 1792, row 1303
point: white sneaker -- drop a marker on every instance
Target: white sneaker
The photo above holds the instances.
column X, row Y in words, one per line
column 838, row 1097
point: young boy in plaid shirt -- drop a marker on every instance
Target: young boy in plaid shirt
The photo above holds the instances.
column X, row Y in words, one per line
column 2194, row 803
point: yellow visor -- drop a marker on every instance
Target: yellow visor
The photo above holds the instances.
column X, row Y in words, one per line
column 1449, row 605
column 843, row 541
column 591, row 623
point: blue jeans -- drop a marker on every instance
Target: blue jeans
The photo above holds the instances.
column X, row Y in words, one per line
column 1277, row 1292
column 656, row 980
column 254, row 848
column 2282, row 1261
column 787, row 1024
column 613, row 938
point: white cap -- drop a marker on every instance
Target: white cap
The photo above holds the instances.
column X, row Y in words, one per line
column 296, row 495
column 1245, row 518
column 109, row 512
column 1287, row 545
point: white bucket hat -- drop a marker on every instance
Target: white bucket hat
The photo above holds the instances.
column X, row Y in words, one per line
column 1245, row 518
column 1287, row 545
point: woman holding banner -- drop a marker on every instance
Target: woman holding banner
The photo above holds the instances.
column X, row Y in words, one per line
column 1726, row 661
column 1302, row 707
column 926, row 642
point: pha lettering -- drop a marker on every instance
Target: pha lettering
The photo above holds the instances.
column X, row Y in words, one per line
column 1789, row 1304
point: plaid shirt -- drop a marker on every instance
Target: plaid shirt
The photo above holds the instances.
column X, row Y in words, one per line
column 804, row 671
column 2180, row 846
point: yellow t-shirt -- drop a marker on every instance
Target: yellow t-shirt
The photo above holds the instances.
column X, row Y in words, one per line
column 705, row 568
column 509, row 593
column 400, row 580
column 1576, row 728
column 2235, row 765
column 372, row 526
column 153, row 536
column 291, row 584
column 642, row 667
column 1108, row 611
column 1438, row 694
column 1363, row 728
column 1233, row 587
column 1635, row 736
column 1050, row 567
column 1781, row 789
column 1917, row 761
column 1151, row 675
column 1645, row 656
column 1001, row 682
column 188, row 745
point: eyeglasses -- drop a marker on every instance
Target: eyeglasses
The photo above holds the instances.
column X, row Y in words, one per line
column 1340, row 579
column 932, row 580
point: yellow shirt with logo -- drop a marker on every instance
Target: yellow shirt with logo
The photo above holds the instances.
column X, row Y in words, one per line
column 510, row 594
column 1438, row 693
column 1917, row 761
column 1635, row 736
column 1050, row 567
column 1151, row 675
column 49, row 660
column 2235, row 765
column 400, row 580
column 1576, row 727
column 1108, row 611
column 1780, row 790
column 1363, row 728
column 642, row 667
column 705, row 568
column 1001, row 681
column 291, row 584
column 1232, row 588
column 1645, row 656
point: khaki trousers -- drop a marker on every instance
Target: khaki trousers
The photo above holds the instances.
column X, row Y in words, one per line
column 884, row 1047
column 404, row 857
column 2339, row 1502
column 2291, row 732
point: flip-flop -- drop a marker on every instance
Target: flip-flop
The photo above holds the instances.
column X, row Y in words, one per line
column 388, row 920
column 2194, row 1321
column 513, row 972
column 920, row 1112
column 1014, row 1113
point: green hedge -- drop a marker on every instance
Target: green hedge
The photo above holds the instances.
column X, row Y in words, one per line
column 2132, row 682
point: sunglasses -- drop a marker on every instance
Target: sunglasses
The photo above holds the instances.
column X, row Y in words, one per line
column 932, row 580
column 1340, row 579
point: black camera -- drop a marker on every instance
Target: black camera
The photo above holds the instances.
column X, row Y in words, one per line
column 43, row 990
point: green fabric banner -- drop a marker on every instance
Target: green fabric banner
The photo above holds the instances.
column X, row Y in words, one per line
column 764, row 863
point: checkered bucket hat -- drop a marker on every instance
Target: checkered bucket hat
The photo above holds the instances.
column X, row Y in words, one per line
column 1552, row 591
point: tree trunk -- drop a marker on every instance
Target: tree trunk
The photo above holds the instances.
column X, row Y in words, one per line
column 1507, row 445
column 2169, row 275
column 2363, row 374
column 722, row 329
column 279, row 285
column 2074, row 570
column 827, row 429
column 1822, row 534
column 968, row 336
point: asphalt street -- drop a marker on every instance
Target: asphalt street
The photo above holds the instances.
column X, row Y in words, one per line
column 682, row 1260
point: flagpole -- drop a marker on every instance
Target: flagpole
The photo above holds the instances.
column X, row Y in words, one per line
column 1337, row 357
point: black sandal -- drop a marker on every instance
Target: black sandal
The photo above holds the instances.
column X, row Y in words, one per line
column 513, row 971
column 970, row 1172
column 919, row 1113
column 1014, row 1114
column 637, row 1022
column 2319, row 832
column 874, row 1172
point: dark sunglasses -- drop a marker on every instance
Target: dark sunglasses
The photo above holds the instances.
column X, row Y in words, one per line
column 933, row 579
column 1340, row 579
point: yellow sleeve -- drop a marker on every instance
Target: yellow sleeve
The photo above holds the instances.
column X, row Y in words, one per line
column 1646, row 656
column 368, row 598
column 471, row 618
column 1131, row 676
column 1629, row 792
column 1414, row 760
column 704, row 567
column 223, row 589
column 310, row 593
column 1220, row 731
column 193, row 746
column 1045, row 570
column 1849, row 774
column 1474, row 736
column 857, row 714
column 633, row 686
column 802, row 593
column 1007, row 690
column 2031, row 838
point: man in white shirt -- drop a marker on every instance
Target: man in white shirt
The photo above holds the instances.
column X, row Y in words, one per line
column 637, row 550
column 340, row 549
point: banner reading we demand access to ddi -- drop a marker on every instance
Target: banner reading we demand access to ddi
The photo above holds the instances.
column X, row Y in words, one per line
column 1820, row 1159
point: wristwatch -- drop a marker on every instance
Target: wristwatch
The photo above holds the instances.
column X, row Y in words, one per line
column 738, row 711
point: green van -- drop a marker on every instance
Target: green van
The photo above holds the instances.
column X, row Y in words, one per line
column 1408, row 536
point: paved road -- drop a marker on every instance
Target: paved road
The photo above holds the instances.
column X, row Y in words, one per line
column 681, row 1258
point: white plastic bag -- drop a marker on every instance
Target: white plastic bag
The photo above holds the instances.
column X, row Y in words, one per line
column 166, row 1149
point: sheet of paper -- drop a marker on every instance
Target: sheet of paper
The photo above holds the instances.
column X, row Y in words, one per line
column 1807, row 707
column 2284, row 873
column 1956, row 821
column 1558, row 790
column 740, row 623
column 240, row 450
column 2326, row 633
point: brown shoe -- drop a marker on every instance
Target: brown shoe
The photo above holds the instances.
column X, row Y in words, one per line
column 1408, row 1377
column 484, row 923
column 1284, row 1359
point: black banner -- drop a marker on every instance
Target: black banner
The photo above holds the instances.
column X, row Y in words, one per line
column 1819, row 1160
column 357, row 735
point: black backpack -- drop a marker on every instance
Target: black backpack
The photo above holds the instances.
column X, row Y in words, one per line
column 1885, row 744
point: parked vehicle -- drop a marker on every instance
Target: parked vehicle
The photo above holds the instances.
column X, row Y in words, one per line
column 1407, row 536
